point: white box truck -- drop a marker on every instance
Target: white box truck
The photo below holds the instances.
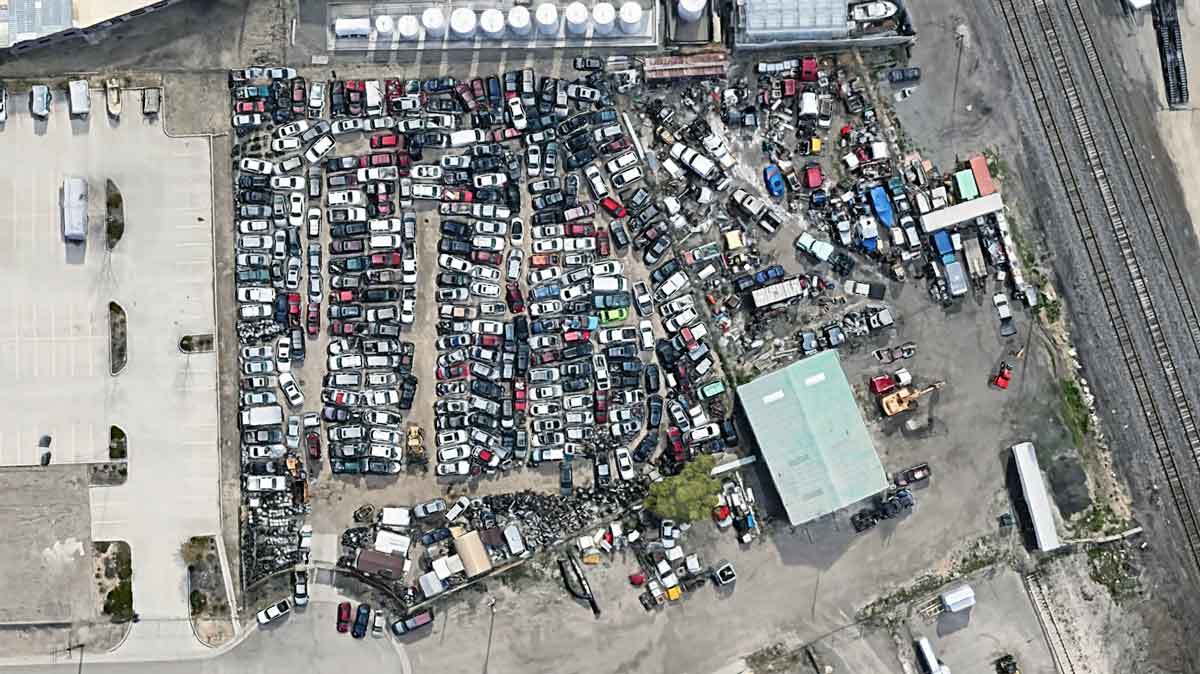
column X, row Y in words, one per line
column 80, row 99
column 374, row 98
column 263, row 415
column 75, row 209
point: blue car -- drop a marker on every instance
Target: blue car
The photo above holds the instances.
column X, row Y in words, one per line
column 545, row 292
column 773, row 177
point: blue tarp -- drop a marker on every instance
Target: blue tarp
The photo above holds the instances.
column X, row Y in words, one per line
column 883, row 206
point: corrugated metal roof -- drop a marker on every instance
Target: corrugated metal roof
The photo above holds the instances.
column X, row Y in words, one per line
column 1036, row 498
column 783, row 20
column 38, row 17
column 961, row 212
column 812, row 437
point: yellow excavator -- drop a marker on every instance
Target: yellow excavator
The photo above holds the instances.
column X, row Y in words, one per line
column 904, row 399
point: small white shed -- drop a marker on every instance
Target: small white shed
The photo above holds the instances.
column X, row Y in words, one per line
column 958, row 599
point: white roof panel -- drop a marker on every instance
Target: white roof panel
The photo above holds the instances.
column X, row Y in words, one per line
column 1034, row 489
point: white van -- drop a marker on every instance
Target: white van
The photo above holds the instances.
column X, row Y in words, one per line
column 609, row 284
column 39, row 100
column 80, row 98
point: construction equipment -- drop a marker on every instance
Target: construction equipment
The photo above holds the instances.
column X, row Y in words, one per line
column 1007, row 665
column 1003, row 377
column 906, row 398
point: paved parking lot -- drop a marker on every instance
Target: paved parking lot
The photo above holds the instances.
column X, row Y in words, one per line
column 57, row 349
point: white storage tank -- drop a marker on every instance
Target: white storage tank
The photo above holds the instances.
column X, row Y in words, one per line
column 462, row 23
column 434, row 22
column 518, row 21
column 384, row 25
column 546, row 18
column 690, row 10
column 491, row 24
column 603, row 18
column 631, row 17
column 577, row 17
column 408, row 28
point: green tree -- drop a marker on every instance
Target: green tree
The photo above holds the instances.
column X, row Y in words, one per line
column 689, row 496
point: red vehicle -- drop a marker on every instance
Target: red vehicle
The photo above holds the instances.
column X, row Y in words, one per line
column 246, row 107
column 812, row 176
column 477, row 89
column 507, row 133
column 312, row 440
column 343, row 616
column 577, row 335
column 579, row 229
column 386, row 260
column 403, row 160
column 1004, row 377
column 393, row 89
column 547, row 356
column 808, row 69
column 789, row 88
column 343, row 328
column 600, row 406
column 463, row 90
column 485, row 257
column 882, row 384
column 613, row 147
column 341, row 297
column 516, row 301
column 385, row 140
column 293, row 300
column 602, row 243
column 519, row 397
column 376, row 159
column 465, row 196
column 314, row 319
column 676, row 440
column 490, row 341
column 383, row 208
column 452, row 372
column 299, row 97
column 613, row 207
column 542, row 260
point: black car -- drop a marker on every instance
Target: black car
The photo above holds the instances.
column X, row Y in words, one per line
column 362, row 620
column 579, row 141
column 551, row 217
column 453, row 247
column 434, row 536
column 650, row 373
column 453, row 279
column 254, row 197
column 580, row 159
column 578, row 368
column 574, row 384
column 248, row 182
column 729, row 434
column 487, row 389
column 654, row 253
column 664, row 272
column 347, row 247
column 646, row 447
column 654, row 410
column 380, row 295
column 565, row 483
column 348, row 230
column 335, row 164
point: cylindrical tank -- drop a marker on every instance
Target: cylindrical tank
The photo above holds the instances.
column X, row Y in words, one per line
column 577, row 17
column 690, row 10
column 546, row 17
column 518, row 21
column 603, row 17
column 434, row 22
column 491, row 24
column 462, row 23
column 408, row 28
column 384, row 25
column 631, row 17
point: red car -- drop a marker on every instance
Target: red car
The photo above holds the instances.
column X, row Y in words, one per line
column 377, row 159
column 547, row 356
column 385, row 140
column 603, row 248
column 477, row 89
column 543, row 260
column 516, row 301
column 312, row 440
column 600, row 406
column 618, row 145
column 676, row 440
column 613, row 207
column 386, row 260
column 490, row 341
column 812, row 176
column 343, row 618
column 577, row 335
column 314, row 319
column 501, row 135
column 293, row 300
column 465, row 196
column 246, row 107
column 580, row 229
column 485, row 257
column 452, row 372
column 341, row 297
column 343, row 328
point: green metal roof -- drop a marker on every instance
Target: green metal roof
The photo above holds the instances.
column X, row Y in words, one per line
column 812, row 437
column 965, row 180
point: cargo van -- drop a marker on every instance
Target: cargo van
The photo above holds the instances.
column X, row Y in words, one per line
column 39, row 100
column 75, row 209
column 80, row 98
column 609, row 284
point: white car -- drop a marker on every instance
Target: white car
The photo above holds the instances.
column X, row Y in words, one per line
column 547, row 246
column 297, row 206
column 533, row 161
column 548, row 392
column 573, row 292
column 455, row 161
column 406, row 104
column 615, row 335
column 347, row 198
column 280, row 73
column 545, row 308
column 595, row 181
column 493, row 227
column 428, row 172
column 486, row 327
column 344, row 126
column 274, row 611
column 466, row 137
column 256, row 294
column 266, row 483
column 289, row 144
column 316, row 98
column 646, row 332
column 254, row 311
column 624, row 464
column 425, row 191
column 252, row 352
column 516, row 111
column 319, row 149
column 611, row 268
column 547, row 231
column 705, row 432
column 627, row 177
column 386, row 242
column 454, row 453
column 385, row 226
column 578, row 401
column 454, row 263
column 485, row 273
column 575, row 244
column 485, row 289
column 287, row 183
column 545, row 409
column 456, row 469
column 539, row 276
column 255, row 119
column 348, row 361
column 378, row 173
column 287, row 383
column 253, row 227
column 492, row 243
column 257, row 167
column 490, row 180
column 283, row 354
column 294, row 129
column 314, row 222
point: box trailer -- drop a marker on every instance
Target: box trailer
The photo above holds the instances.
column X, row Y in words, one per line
column 263, row 415
column 75, row 209
column 374, row 98
column 80, row 98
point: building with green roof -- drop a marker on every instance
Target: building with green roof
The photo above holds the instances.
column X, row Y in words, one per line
column 812, row 437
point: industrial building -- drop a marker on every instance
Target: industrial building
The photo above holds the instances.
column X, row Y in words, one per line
column 769, row 24
column 812, row 437
column 40, row 23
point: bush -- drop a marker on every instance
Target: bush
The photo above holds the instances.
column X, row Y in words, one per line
column 117, row 448
column 199, row 601
column 119, row 602
column 689, row 496
column 124, row 563
column 193, row 549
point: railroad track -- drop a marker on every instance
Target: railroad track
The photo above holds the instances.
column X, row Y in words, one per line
column 1045, row 616
column 1042, row 22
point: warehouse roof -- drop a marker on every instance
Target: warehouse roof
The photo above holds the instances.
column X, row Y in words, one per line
column 812, row 437
column 771, row 21
column 1036, row 498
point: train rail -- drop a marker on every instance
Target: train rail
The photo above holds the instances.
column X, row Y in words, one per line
column 1045, row 615
column 1043, row 22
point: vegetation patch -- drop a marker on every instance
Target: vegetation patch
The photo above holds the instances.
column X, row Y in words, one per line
column 118, row 449
column 114, row 214
column 1075, row 414
column 108, row 473
column 196, row 344
column 114, row 576
column 207, row 594
column 1112, row 566
column 775, row 658
column 689, row 496
column 118, row 353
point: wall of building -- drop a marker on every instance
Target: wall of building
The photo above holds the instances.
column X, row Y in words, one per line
column 87, row 32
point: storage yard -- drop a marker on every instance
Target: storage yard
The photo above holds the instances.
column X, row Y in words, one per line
column 622, row 347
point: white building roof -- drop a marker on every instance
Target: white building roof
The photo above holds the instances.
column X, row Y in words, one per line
column 961, row 212
column 1036, row 498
